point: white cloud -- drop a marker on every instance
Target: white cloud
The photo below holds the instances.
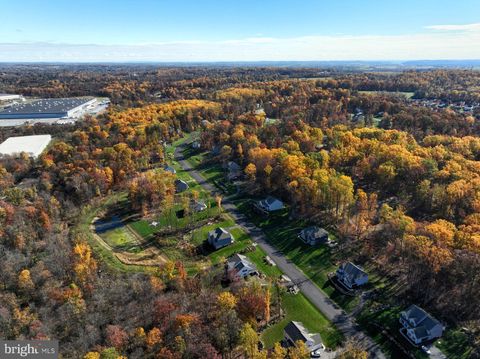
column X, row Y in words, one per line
column 429, row 45
column 465, row 27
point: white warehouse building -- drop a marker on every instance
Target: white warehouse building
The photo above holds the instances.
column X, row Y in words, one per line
column 32, row 145
column 9, row 97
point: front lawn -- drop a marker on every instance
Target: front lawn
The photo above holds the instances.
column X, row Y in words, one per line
column 257, row 257
column 299, row 308
column 456, row 344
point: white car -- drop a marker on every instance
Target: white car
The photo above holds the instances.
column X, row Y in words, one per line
column 426, row 349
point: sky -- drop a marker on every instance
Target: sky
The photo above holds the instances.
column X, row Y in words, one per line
column 240, row 30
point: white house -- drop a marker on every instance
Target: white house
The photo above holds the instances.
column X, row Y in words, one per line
column 419, row 326
column 269, row 204
column 241, row 265
column 295, row 331
column 351, row 275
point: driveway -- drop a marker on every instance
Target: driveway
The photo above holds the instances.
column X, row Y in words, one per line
column 335, row 314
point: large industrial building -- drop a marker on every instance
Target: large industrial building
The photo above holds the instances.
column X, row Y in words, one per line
column 7, row 97
column 54, row 108
column 32, row 145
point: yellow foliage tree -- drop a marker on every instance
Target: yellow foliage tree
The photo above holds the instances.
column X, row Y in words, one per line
column 25, row 281
column 84, row 264
column 226, row 300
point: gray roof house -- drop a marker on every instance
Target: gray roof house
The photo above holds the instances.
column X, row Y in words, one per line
column 295, row 331
column 180, row 186
column 234, row 170
column 313, row 235
column 199, row 206
column 196, row 145
column 419, row 326
column 219, row 238
column 269, row 204
column 241, row 265
column 170, row 169
column 351, row 275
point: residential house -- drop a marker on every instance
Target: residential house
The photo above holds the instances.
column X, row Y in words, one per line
column 419, row 326
column 196, row 145
column 219, row 238
column 241, row 265
column 295, row 331
column 216, row 150
column 180, row 186
column 170, row 169
column 351, row 275
column 313, row 235
column 269, row 204
column 234, row 170
column 199, row 206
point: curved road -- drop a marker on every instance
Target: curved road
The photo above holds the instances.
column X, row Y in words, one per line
column 335, row 314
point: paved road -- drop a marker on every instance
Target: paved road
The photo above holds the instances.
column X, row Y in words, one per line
column 335, row 314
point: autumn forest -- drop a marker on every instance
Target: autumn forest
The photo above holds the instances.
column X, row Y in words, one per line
column 387, row 161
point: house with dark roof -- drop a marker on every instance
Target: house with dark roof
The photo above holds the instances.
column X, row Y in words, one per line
column 351, row 275
column 295, row 331
column 234, row 170
column 313, row 235
column 269, row 204
column 199, row 206
column 419, row 326
column 170, row 169
column 241, row 265
column 219, row 238
column 195, row 145
column 180, row 186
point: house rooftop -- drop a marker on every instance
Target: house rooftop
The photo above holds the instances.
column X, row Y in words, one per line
column 420, row 316
column 220, row 233
column 271, row 199
column 352, row 270
column 315, row 231
column 296, row 331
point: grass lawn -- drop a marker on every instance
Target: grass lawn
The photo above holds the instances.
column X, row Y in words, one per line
column 257, row 257
column 456, row 344
column 105, row 255
column 121, row 239
column 298, row 308
column 145, row 229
